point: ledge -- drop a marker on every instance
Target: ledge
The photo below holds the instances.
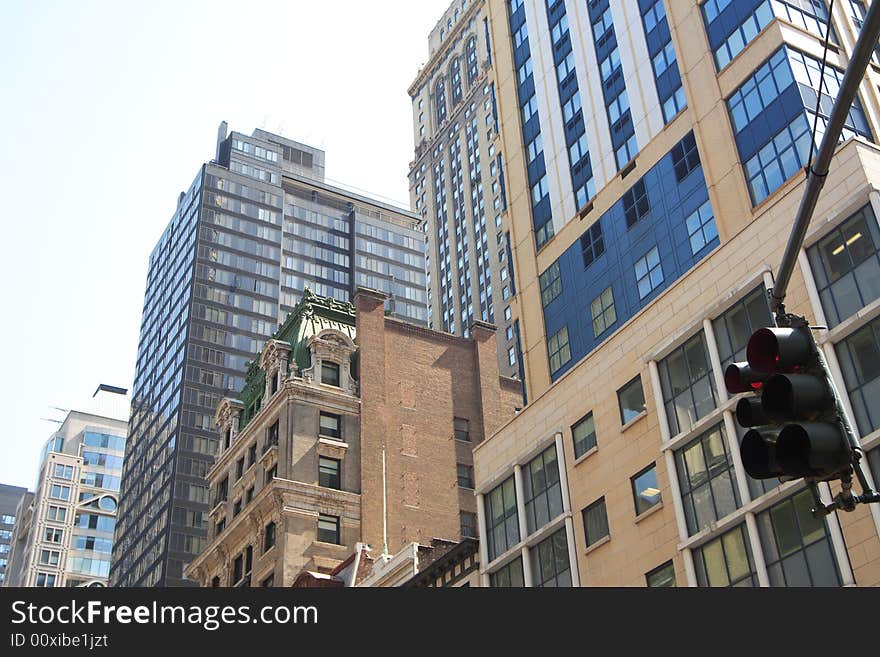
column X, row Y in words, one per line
column 583, row 457
column 635, row 420
column 644, row 514
column 602, row 541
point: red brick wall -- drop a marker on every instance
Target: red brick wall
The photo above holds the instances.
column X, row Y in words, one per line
column 413, row 382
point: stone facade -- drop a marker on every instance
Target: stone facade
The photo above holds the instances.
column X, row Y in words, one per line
column 393, row 395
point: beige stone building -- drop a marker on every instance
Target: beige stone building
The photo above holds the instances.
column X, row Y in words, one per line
column 632, row 296
column 354, row 429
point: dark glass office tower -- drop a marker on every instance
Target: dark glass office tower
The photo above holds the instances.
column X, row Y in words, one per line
column 257, row 226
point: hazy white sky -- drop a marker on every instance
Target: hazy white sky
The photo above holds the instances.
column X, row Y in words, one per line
column 107, row 110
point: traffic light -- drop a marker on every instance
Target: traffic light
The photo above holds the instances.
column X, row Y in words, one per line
column 792, row 417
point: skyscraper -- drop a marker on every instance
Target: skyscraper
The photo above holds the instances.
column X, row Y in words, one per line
column 457, row 180
column 257, row 226
column 10, row 497
column 654, row 158
column 64, row 536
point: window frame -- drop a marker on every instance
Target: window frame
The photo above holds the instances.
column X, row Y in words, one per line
column 624, row 421
column 636, row 494
column 575, row 441
column 337, row 431
column 587, row 510
column 337, row 531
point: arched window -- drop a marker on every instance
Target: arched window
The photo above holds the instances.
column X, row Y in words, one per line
column 440, row 96
column 455, row 75
column 471, row 53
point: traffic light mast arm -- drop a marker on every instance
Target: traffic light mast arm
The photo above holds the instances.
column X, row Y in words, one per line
column 855, row 72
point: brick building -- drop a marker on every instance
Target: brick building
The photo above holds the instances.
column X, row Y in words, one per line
column 353, row 427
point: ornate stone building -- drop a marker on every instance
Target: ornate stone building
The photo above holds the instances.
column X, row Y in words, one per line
column 301, row 481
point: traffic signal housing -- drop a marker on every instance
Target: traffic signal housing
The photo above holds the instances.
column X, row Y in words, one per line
column 794, row 429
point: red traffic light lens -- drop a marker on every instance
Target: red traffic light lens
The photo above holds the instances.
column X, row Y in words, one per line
column 778, row 349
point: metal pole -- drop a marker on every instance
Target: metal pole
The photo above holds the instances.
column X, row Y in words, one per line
column 855, row 71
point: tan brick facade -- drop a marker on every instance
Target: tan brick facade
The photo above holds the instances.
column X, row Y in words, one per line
column 752, row 242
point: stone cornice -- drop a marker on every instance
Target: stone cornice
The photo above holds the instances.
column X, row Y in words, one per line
column 446, row 48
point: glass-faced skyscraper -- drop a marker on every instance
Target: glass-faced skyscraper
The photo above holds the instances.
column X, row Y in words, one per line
column 257, row 226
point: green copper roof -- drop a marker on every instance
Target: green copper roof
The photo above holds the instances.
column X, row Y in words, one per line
column 311, row 315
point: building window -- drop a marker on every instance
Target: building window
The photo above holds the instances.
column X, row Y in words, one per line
column 508, row 576
column 685, row 157
column 797, row 548
column 859, row 357
column 252, row 454
column 56, row 513
column 63, row 471
column 726, row 561
column 269, row 582
column 583, row 434
column 462, row 429
column 645, row 489
column 269, row 537
column 631, row 399
column 602, row 311
column 220, row 527
column 465, row 475
column 687, row 384
column 706, row 480
column 550, row 563
column 238, row 569
column 649, row 272
column 49, row 557
column 542, row 492
column 7, row 519
column 215, row 583
column 846, row 266
column 592, row 244
column 330, row 373
column 248, row 495
column 662, row 576
column 701, row 227
column 502, row 530
column 874, row 463
column 734, row 328
column 328, row 473
column 511, row 356
column 236, row 507
column 59, row 492
column 329, row 425
column 440, row 100
column 239, row 468
column 635, row 203
column 551, row 284
column 271, row 437
column 45, row 580
column 222, row 491
column 595, row 522
column 468, row 524
column 558, row 348
column 53, row 535
column 271, row 473
column 328, row 529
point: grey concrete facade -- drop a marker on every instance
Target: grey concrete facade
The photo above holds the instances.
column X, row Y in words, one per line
column 10, row 497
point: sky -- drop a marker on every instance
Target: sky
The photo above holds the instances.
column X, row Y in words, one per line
column 107, row 110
